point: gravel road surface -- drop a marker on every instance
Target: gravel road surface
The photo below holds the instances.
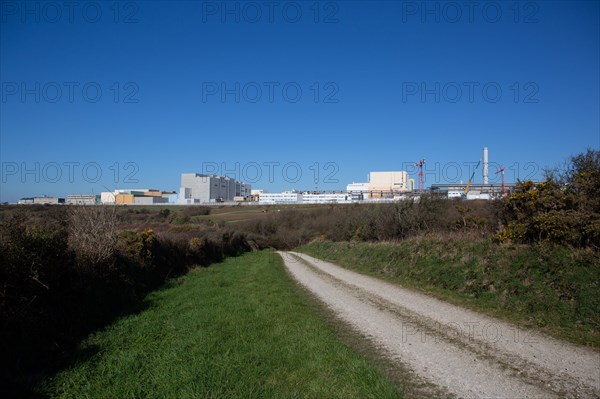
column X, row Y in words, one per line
column 465, row 353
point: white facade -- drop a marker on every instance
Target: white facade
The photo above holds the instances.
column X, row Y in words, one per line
column 326, row 198
column 381, row 184
column 107, row 197
column 287, row 197
column 473, row 195
column 358, row 188
column 82, row 199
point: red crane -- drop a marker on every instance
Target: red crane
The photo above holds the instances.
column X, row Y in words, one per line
column 501, row 170
column 421, row 181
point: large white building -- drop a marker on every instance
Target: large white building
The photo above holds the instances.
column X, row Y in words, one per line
column 198, row 188
column 287, row 197
column 390, row 181
column 294, row 197
column 381, row 185
column 326, row 198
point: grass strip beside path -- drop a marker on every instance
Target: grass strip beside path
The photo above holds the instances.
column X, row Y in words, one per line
column 549, row 288
column 239, row 329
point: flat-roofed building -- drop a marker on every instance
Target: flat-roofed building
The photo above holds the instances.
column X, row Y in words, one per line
column 382, row 185
column 48, row 200
column 122, row 199
column 326, row 198
column 149, row 200
column 83, row 199
column 198, row 188
column 389, row 181
column 287, row 197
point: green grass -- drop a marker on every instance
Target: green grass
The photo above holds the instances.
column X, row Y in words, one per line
column 239, row 329
column 553, row 289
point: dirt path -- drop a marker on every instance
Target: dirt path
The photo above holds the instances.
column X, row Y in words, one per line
column 468, row 354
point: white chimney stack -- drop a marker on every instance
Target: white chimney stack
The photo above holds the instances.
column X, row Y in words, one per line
column 485, row 165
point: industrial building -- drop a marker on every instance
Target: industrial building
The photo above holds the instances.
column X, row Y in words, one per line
column 26, row 201
column 472, row 191
column 41, row 201
column 138, row 197
column 255, row 195
column 387, row 186
column 381, row 185
column 198, row 188
column 326, row 198
column 83, row 199
column 294, row 197
column 287, row 197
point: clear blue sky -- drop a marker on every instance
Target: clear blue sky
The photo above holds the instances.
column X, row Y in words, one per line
column 383, row 84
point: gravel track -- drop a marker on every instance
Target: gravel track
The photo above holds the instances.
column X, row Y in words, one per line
column 465, row 353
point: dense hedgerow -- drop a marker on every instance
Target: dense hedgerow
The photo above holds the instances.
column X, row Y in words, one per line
column 564, row 209
column 376, row 222
column 72, row 270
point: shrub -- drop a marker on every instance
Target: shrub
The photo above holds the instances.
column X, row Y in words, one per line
column 93, row 234
column 564, row 209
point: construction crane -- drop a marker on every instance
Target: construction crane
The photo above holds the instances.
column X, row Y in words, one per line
column 471, row 179
column 421, row 181
column 501, row 170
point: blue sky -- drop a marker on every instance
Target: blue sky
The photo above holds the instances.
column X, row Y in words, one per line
column 105, row 95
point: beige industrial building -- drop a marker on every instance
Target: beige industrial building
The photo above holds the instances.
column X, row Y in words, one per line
column 390, row 181
column 381, row 185
column 137, row 197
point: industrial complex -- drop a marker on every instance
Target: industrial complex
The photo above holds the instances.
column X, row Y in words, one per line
column 199, row 189
column 196, row 188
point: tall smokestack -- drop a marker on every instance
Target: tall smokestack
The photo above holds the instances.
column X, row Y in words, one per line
column 485, row 165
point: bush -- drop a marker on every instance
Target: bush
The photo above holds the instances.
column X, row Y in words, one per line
column 564, row 209
column 373, row 222
column 93, row 234
column 65, row 274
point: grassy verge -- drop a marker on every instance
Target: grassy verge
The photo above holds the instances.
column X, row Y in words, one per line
column 241, row 328
column 552, row 289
